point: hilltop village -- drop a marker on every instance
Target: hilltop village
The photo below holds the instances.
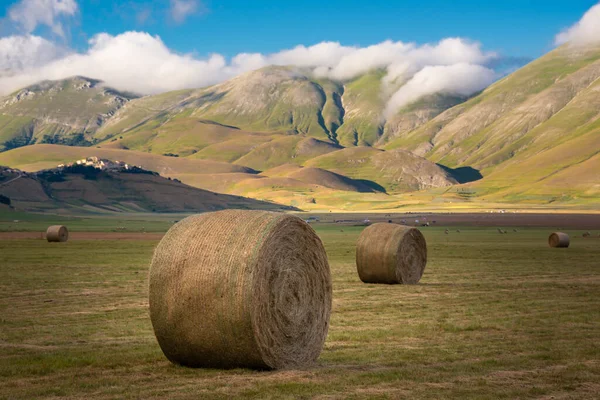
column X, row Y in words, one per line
column 99, row 163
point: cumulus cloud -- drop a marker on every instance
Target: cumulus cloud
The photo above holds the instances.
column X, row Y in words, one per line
column 20, row 53
column 132, row 61
column 458, row 79
column 585, row 31
column 331, row 59
column 142, row 63
column 29, row 14
column 181, row 9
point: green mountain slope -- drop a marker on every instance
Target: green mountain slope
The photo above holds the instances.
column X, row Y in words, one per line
column 68, row 111
column 267, row 102
column 393, row 171
column 522, row 131
column 532, row 137
column 240, row 120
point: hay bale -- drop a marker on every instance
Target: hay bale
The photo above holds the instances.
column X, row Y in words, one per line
column 57, row 233
column 446, row 231
column 240, row 289
column 391, row 253
column 559, row 239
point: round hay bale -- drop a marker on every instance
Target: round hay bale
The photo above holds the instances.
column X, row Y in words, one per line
column 391, row 253
column 240, row 289
column 57, row 233
column 559, row 239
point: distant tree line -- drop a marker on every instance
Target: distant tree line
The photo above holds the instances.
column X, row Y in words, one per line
column 77, row 139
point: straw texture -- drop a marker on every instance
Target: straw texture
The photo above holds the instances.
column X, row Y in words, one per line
column 57, row 233
column 559, row 239
column 391, row 253
column 240, row 289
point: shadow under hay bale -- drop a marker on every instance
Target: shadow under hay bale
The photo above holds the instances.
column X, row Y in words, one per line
column 240, row 289
column 391, row 253
column 57, row 233
column 559, row 240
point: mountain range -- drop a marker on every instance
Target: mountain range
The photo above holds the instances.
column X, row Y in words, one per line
column 282, row 134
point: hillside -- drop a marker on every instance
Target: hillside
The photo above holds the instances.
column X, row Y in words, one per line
column 85, row 189
column 523, row 131
column 46, row 156
column 281, row 134
column 67, row 112
column 360, row 169
column 389, row 171
column 228, row 121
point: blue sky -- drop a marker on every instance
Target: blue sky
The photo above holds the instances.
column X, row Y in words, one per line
column 512, row 27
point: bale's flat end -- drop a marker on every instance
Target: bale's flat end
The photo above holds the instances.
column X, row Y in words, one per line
column 391, row 253
column 559, row 240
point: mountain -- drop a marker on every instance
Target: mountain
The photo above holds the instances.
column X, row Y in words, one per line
column 91, row 190
column 534, row 135
column 261, row 108
column 260, row 119
column 67, row 112
column 282, row 134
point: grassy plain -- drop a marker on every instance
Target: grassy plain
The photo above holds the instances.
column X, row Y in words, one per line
column 495, row 316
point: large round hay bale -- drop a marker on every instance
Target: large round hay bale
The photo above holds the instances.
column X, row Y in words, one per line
column 391, row 253
column 559, row 239
column 57, row 233
column 240, row 289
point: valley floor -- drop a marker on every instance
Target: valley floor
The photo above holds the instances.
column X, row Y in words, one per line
column 495, row 316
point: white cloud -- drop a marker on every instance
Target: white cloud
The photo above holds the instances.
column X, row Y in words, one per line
column 458, row 79
column 585, row 31
column 132, row 61
column 29, row 14
column 20, row 53
column 142, row 63
column 181, row 9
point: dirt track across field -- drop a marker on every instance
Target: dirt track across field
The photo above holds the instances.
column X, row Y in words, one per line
column 585, row 222
column 85, row 235
column 554, row 221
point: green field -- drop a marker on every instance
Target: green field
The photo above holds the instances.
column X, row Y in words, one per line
column 495, row 316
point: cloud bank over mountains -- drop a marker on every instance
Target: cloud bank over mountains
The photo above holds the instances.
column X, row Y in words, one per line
column 142, row 63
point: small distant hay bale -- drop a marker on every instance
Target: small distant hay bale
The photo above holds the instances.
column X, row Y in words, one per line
column 458, row 231
column 446, row 231
column 559, row 240
column 587, row 234
column 391, row 253
column 240, row 289
column 57, row 233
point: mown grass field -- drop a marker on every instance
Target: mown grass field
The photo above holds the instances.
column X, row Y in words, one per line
column 495, row 316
